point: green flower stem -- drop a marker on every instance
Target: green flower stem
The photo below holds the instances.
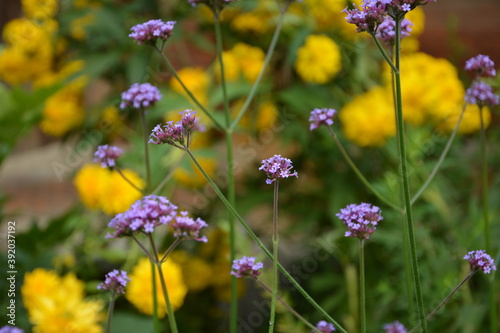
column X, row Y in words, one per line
column 362, row 296
column 145, row 134
column 188, row 92
column 267, row 60
column 429, row 316
column 405, row 179
column 233, row 321
column 441, row 158
column 109, row 316
column 168, row 176
column 288, row 307
column 487, row 235
column 156, row 319
column 117, row 169
column 397, row 49
column 358, row 172
column 261, row 245
column 170, row 249
column 170, row 311
column 274, row 292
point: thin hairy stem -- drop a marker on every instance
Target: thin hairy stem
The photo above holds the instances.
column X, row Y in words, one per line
column 362, row 295
column 176, row 242
column 145, row 135
column 109, row 316
column 262, row 246
column 274, row 292
column 170, row 311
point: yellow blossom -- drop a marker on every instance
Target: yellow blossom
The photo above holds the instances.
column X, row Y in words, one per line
column 471, row 121
column 257, row 21
column 30, row 35
column 232, row 68
column 90, row 182
column 195, row 79
column 56, row 304
column 318, row 60
column 13, row 66
column 196, row 271
column 40, row 9
column 140, row 288
column 63, row 112
column 368, row 120
column 250, row 58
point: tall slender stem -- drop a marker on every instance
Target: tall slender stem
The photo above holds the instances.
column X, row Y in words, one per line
column 170, row 311
column 109, row 316
column 471, row 273
column 274, row 293
column 262, row 246
column 145, row 135
column 233, row 320
column 267, row 60
column 362, row 296
column 168, row 176
column 441, row 158
column 156, row 319
column 186, row 89
column 358, row 172
column 117, row 169
column 405, row 180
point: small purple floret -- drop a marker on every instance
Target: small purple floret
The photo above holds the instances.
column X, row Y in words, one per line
column 325, row 327
column 386, row 31
column 395, row 327
column 107, row 155
column 140, row 96
column 277, row 168
column 321, row 117
column 361, row 220
column 246, row 266
column 480, row 260
column 187, row 228
column 116, row 281
column 151, row 31
column 481, row 93
column 482, row 65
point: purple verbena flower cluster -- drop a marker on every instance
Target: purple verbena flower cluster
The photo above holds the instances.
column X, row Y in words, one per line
column 480, row 260
column 277, row 168
column 361, row 220
column 107, row 155
column 143, row 216
column 187, row 228
column 10, row 329
column 481, row 93
column 395, row 327
column 140, row 96
column 115, row 281
column 481, row 65
column 151, row 31
column 246, row 266
column 325, row 327
column 175, row 133
column 321, row 117
column 386, row 31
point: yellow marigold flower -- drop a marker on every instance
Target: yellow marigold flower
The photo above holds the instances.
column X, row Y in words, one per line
column 232, row 68
column 196, row 271
column 90, row 182
column 189, row 175
column 471, row 121
column 140, row 288
column 63, row 112
column 40, row 9
column 318, row 60
column 118, row 195
column 29, row 35
column 195, row 79
column 368, row 120
column 417, row 17
column 13, row 66
column 56, row 304
column 250, row 58
column 257, row 21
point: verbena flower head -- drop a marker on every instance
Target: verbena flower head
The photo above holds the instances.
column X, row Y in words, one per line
column 140, row 96
column 321, row 117
column 10, row 329
column 369, row 16
column 143, row 216
column 481, row 93
column 187, row 228
column 325, row 327
column 395, row 327
column 397, row 8
column 277, row 168
column 107, row 155
column 361, row 220
column 116, row 281
column 480, row 260
column 246, row 266
column 171, row 133
column 481, row 65
column 151, row 31
column 386, row 31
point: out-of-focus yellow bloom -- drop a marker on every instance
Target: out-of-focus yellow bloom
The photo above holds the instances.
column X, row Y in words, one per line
column 417, row 17
column 111, row 121
column 78, row 26
column 196, row 271
column 140, row 287
column 101, row 188
column 250, row 58
column 231, row 67
column 195, row 79
column 318, row 60
column 257, row 21
column 56, row 304
column 13, row 66
column 190, row 176
column 471, row 121
column 264, row 117
column 29, row 35
column 63, row 111
column 40, row 9
column 368, row 120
